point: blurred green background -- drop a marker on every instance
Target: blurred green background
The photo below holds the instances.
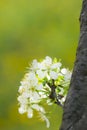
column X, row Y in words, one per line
column 33, row 29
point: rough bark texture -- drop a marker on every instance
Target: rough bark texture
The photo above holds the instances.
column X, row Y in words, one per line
column 75, row 109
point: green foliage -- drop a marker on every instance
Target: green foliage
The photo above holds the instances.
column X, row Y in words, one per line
column 28, row 30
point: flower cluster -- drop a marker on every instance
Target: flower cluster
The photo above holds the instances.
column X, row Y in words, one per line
column 46, row 81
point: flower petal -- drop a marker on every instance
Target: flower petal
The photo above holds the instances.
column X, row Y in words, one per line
column 53, row 75
column 30, row 113
column 22, row 110
column 38, row 108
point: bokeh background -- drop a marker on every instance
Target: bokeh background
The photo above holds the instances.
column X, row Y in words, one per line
column 33, row 29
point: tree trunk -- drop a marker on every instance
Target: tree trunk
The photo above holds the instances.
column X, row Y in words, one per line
column 75, row 108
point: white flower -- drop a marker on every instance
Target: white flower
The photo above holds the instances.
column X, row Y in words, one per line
column 41, row 74
column 22, row 100
column 34, row 97
column 68, row 75
column 31, row 77
column 36, row 87
column 30, row 112
column 53, row 75
column 39, row 87
column 42, row 95
column 41, row 66
column 21, row 89
column 22, row 109
column 38, row 108
column 56, row 65
column 24, row 86
column 64, row 71
column 47, row 61
column 44, row 118
column 34, row 65
column 47, row 121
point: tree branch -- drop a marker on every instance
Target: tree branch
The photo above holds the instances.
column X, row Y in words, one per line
column 75, row 108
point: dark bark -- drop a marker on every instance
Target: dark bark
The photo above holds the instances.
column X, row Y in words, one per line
column 75, row 108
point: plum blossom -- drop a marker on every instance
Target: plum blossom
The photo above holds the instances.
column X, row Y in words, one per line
column 41, row 74
column 64, row 71
column 53, row 75
column 42, row 79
